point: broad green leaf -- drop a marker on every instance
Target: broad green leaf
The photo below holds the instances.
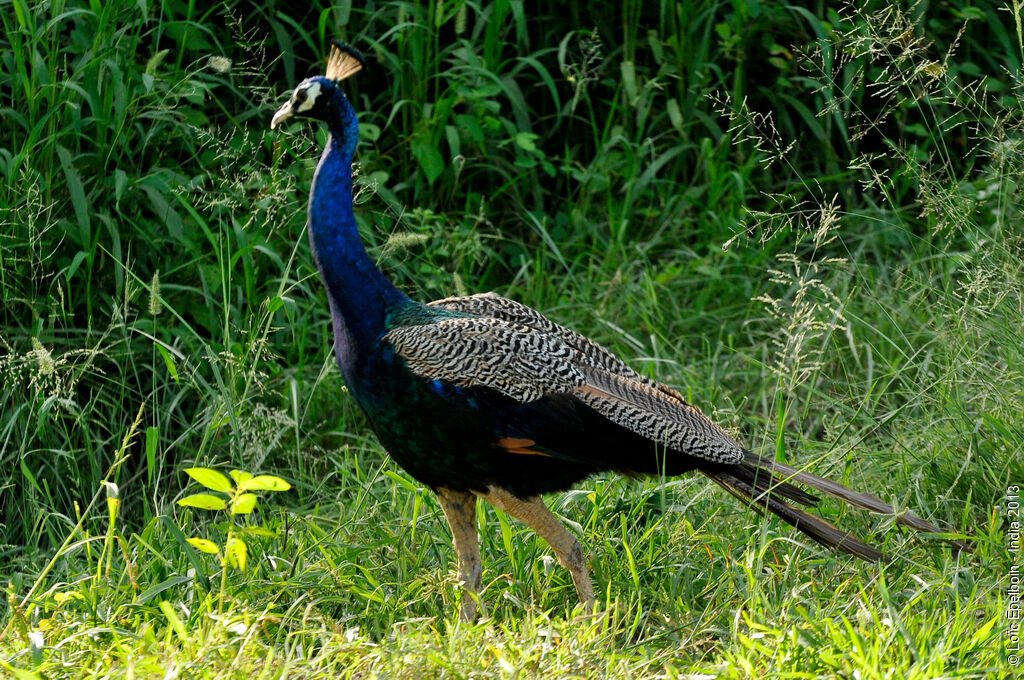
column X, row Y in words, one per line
column 264, row 483
column 240, row 477
column 982, row 633
column 258, row 531
column 152, row 440
column 629, row 80
column 244, row 504
column 675, row 116
column 28, row 475
column 120, row 182
column 155, row 60
column 211, row 479
column 236, row 553
column 203, row 500
column 527, row 140
column 172, row 618
column 205, row 545
column 20, row 674
column 172, row 368
column 429, row 157
column 153, row 591
column 77, row 192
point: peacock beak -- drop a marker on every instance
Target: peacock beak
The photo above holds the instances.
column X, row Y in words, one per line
column 283, row 113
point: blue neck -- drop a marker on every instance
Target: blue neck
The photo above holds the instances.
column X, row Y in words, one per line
column 359, row 295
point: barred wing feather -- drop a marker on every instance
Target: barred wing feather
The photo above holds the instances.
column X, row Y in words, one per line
column 516, row 351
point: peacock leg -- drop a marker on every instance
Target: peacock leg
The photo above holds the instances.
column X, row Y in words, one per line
column 533, row 513
column 460, row 509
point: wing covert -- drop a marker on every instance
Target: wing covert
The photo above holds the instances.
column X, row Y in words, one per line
column 480, row 351
column 515, row 350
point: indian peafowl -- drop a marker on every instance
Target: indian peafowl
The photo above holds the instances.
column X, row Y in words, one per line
column 481, row 396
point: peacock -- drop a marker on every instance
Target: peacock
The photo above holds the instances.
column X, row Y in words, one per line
column 482, row 397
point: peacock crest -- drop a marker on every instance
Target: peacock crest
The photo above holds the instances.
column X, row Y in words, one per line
column 343, row 62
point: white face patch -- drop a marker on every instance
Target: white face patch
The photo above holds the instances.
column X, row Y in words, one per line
column 312, row 92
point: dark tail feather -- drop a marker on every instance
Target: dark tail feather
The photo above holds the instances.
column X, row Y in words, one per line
column 815, row 527
column 766, row 482
column 758, row 476
column 865, row 501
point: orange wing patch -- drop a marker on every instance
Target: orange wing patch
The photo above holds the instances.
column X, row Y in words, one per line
column 520, row 446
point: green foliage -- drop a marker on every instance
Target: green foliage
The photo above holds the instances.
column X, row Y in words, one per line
column 233, row 553
column 807, row 218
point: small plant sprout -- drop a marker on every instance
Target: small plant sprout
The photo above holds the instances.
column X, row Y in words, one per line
column 235, row 495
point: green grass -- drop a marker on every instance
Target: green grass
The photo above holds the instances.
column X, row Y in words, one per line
column 806, row 220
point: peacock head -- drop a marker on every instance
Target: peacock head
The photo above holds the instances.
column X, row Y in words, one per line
column 311, row 96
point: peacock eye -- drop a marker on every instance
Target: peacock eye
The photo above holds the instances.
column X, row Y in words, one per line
column 305, row 97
